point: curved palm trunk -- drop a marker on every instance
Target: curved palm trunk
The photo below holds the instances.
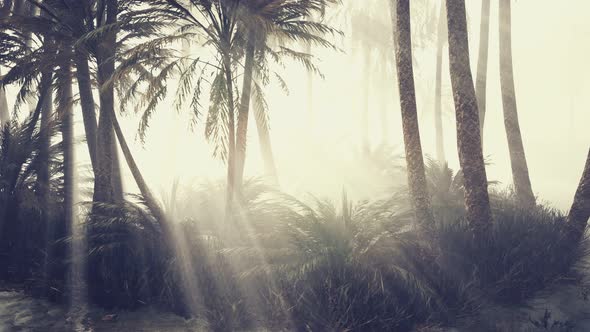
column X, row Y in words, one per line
column 87, row 104
column 243, row 113
column 67, row 131
column 477, row 202
column 415, row 162
column 103, row 177
column 144, row 189
column 520, row 171
column 580, row 210
column 231, row 147
column 482, row 62
column 438, row 123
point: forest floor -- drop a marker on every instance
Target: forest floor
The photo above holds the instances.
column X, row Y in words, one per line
column 566, row 308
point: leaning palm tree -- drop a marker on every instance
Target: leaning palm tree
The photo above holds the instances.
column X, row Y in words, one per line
column 520, row 170
column 580, row 210
column 268, row 22
column 415, row 161
column 477, row 202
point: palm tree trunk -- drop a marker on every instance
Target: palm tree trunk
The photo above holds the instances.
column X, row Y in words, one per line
column 4, row 112
column 477, row 202
column 242, row 131
column 482, row 62
column 87, row 104
column 144, row 189
column 231, row 146
column 117, row 177
column 103, row 177
column 67, row 131
column 580, row 210
column 415, row 162
column 520, row 171
column 438, row 123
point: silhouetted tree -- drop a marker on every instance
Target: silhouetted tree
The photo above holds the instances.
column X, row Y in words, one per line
column 580, row 210
column 482, row 62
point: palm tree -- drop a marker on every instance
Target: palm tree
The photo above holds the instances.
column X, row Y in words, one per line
column 482, row 62
column 477, row 201
column 106, row 50
column 520, row 171
column 438, row 123
column 4, row 113
column 580, row 210
column 415, row 161
column 285, row 21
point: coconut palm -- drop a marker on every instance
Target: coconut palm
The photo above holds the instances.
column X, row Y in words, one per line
column 269, row 22
column 520, row 170
column 403, row 56
column 477, row 202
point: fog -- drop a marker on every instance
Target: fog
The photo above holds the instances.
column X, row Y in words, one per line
column 319, row 153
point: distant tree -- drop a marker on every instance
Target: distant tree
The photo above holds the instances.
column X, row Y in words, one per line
column 580, row 210
column 520, row 171
column 415, row 161
column 482, row 62
column 477, row 202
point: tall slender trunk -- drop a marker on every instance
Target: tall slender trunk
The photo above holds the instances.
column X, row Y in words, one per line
column 150, row 200
column 67, row 131
column 477, row 202
column 415, row 162
column 116, row 167
column 87, row 104
column 482, row 62
column 103, row 177
column 231, row 146
column 268, row 158
column 365, row 102
column 580, row 210
column 520, row 171
column 4, row 112
column 243, row 113
column 438, row 123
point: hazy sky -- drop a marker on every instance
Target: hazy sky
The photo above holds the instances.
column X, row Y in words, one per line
column 552, row 74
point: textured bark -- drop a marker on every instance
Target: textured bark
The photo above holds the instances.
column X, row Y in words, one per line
column 580, row 211
column 116, row 167
column 243, row 113
column 4, row 112
column 520, row 171
column 438, row 123
column 103, row 177
column 415, row 162
column 45, row 138
column 231, row 146
column 87, row 104
column 482, row 62
column 67, row 131
column 477, row 202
